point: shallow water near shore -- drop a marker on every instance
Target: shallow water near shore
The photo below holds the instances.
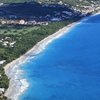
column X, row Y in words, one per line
column 69, row 67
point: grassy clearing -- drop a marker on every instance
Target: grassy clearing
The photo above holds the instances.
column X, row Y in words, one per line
column 12, row 30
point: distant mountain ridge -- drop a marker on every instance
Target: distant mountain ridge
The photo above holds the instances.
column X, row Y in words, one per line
column 71, row 2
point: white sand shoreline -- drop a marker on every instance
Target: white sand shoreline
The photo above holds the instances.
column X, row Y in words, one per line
column 17, row 86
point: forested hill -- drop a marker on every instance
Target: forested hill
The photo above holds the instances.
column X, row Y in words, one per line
column 84, row 6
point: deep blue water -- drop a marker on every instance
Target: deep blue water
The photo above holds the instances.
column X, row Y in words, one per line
column 69, row 67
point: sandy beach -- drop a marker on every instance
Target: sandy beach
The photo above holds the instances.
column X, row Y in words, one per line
column 17, row 85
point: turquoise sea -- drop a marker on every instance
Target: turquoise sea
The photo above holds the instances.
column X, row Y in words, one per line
column 69, row 67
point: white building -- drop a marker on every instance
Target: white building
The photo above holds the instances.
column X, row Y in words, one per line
column 2, row 90
column 1, row 62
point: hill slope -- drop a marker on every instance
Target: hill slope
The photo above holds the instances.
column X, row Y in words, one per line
column 71, row 2
column 84, row 6
column 47, row 1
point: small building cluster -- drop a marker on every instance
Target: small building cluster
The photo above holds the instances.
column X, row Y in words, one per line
column 7, row 42
column 94, row 6
column 21, row 22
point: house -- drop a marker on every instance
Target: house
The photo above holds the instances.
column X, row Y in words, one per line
column 1, row 62
column 2, row 90
column 5, row 43
column 22, row 22
column 1, row 4
column 31, row 22
column 42, row 23
column 12, row 44
column 56, row 19
column 3, row 22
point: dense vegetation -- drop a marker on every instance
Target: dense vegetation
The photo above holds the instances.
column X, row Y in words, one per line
column 38, row 12
column 4, row 82
column 26, row 37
